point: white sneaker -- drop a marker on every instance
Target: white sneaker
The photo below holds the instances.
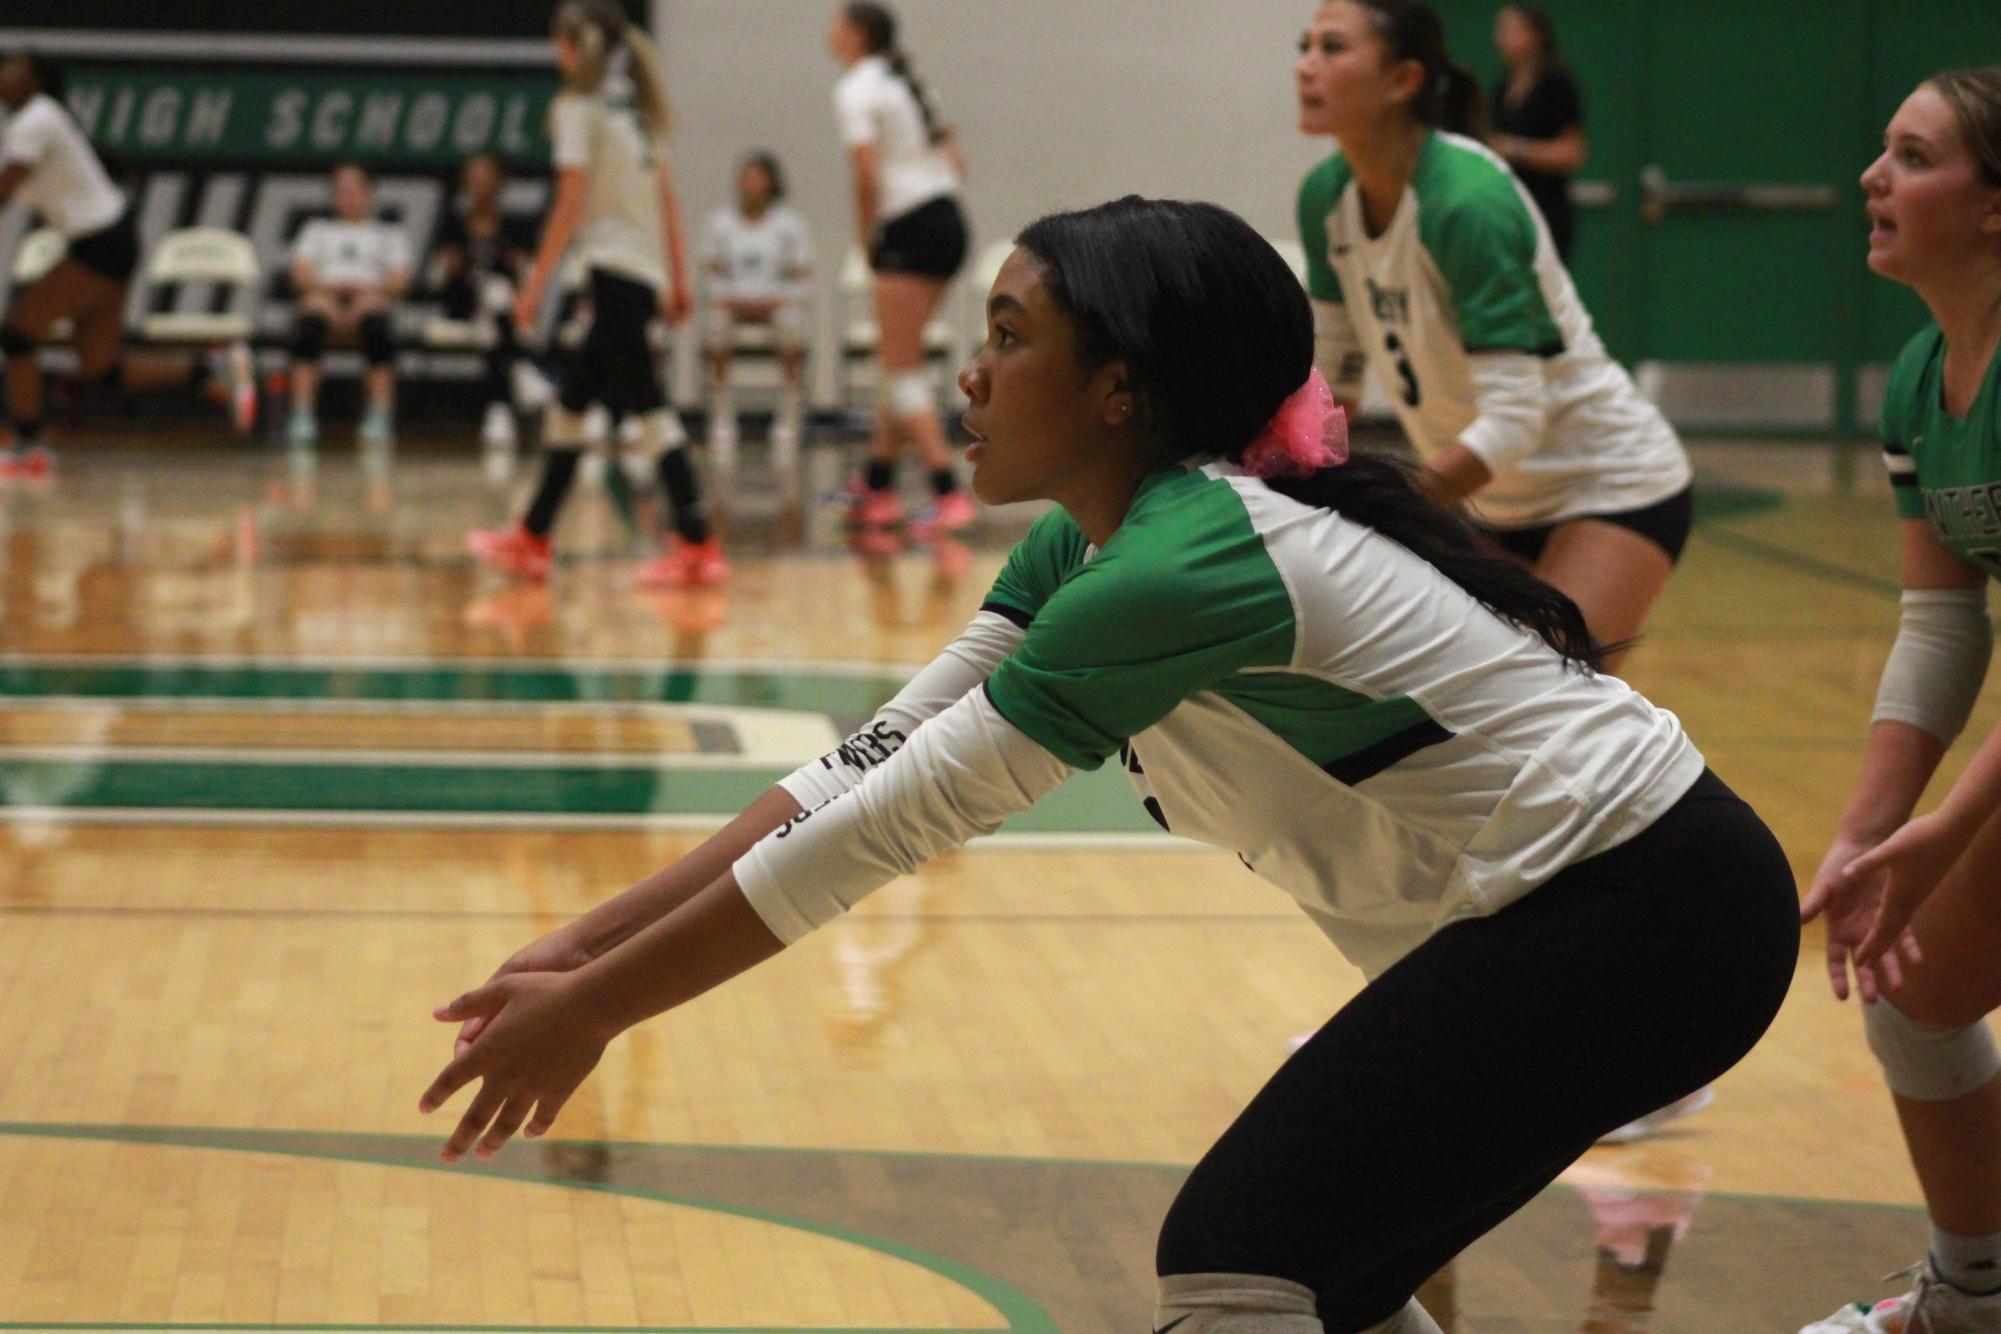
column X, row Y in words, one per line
column 496, row 431
column 1932, row 1306
column 1652, row 1122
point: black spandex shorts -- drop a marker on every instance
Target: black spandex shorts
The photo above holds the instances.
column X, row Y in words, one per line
column 929, row 241
column 1664, row 523
column 615, row 363
column 110, row 251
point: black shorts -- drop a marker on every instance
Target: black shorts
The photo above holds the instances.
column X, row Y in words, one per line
column 1664, row 523
column 929, row 241
column 112, row 252
column 615, row 363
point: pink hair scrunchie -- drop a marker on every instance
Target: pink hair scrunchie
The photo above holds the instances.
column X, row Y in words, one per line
column 1307, row 433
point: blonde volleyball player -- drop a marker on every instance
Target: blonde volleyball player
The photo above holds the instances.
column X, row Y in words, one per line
column 907, row 213
column 48, row 163
column 1431, row 269
column 1529, row 861
column 1897, row 890
column 615, row 198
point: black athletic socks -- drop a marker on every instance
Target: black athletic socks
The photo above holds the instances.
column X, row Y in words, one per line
column 677, row 478
column 559, row 474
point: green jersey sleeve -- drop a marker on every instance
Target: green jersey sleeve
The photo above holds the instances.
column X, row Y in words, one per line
column 1174, row 604
column 1481, row 235
column 1902, row 395
column 1318, row 194
column 1053, row 547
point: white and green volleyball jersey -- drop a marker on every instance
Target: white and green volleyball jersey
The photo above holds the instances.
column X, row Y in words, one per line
column 1466, row 266
column 1945, row 470
column 1296, row 688
column 604, row 136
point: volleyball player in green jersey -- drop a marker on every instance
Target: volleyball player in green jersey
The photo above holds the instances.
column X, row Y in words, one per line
column 1297, row 656
column 1430, row 268
column 1914, row 905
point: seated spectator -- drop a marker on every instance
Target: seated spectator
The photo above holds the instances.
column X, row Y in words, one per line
column 480, row 257
column 349, row 270
column 757, row 257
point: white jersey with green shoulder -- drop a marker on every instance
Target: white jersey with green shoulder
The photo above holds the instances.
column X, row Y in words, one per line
column 1465, row 267
column 605, row 137
column 1276, row 680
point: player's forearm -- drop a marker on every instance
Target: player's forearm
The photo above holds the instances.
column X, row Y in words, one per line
column 1896, row 765
column 619, row 919
column 557, row 232
column 1456, row 473
column 1977, row 794
column 709, row 938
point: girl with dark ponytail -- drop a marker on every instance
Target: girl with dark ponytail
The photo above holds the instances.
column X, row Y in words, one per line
column 1297, row 656
column 908, row 216
column 1431, row 268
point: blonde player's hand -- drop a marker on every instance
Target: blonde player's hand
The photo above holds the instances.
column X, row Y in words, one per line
column 561, row 951
column 539, row 1044
column 1852, row 904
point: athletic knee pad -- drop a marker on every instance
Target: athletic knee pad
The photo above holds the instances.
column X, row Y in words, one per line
column 660, row 432
column 1235, row 1304
column 309, row 337
column 563, row 429
column 14, row 343
column 378, row 345
column 1927, row 1064
column 910, row 394
column 1413, row 1319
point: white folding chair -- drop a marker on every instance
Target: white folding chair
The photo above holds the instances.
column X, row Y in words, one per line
column 201, row 255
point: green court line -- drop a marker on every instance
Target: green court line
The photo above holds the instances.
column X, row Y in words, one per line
column 850, row 699
column 1022, row 1313
column 1089, row 803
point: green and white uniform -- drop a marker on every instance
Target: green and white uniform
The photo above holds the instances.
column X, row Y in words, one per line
column 603, row 135
column 1945, row 470
column 1476, row 334
column 1278, row 681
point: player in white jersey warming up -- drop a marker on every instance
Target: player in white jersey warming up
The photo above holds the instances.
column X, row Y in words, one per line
column 46, row 162
column 615, row 197
column 349, row 271
column 1565, row 918
column 907, row 168
column 757, row 258
column 1430, row 268
column 1928, row 889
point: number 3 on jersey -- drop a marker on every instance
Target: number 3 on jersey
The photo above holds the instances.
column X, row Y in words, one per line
column 1404, row 372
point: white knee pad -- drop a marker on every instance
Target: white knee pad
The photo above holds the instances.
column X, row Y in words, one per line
column 1413, row 1319
column 1928, row 1064
column 563, row 429
column 910, row 394
column 660, row 432
column 1235, row 1304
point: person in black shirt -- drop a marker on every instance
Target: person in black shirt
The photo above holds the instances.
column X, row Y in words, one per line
column 1538, row 117
column 480, row 257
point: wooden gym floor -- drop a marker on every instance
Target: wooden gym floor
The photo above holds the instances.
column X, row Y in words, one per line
column 281, row 770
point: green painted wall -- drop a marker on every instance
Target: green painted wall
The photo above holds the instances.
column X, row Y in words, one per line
column 1783, row 91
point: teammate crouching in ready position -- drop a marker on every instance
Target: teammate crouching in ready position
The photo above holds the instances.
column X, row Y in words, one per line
column 1928, row 888
column 615, row 195
column 1528, row 859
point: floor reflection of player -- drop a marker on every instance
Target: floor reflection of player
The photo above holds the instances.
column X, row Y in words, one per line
column 1641, row 1203
column 870, row 951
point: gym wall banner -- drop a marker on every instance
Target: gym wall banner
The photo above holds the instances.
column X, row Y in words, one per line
column 231, row 115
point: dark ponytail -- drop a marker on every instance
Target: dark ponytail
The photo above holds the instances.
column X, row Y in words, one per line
column 877, row 25
column 1216, row 333
column 1450, row 97
column 1386, row 494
